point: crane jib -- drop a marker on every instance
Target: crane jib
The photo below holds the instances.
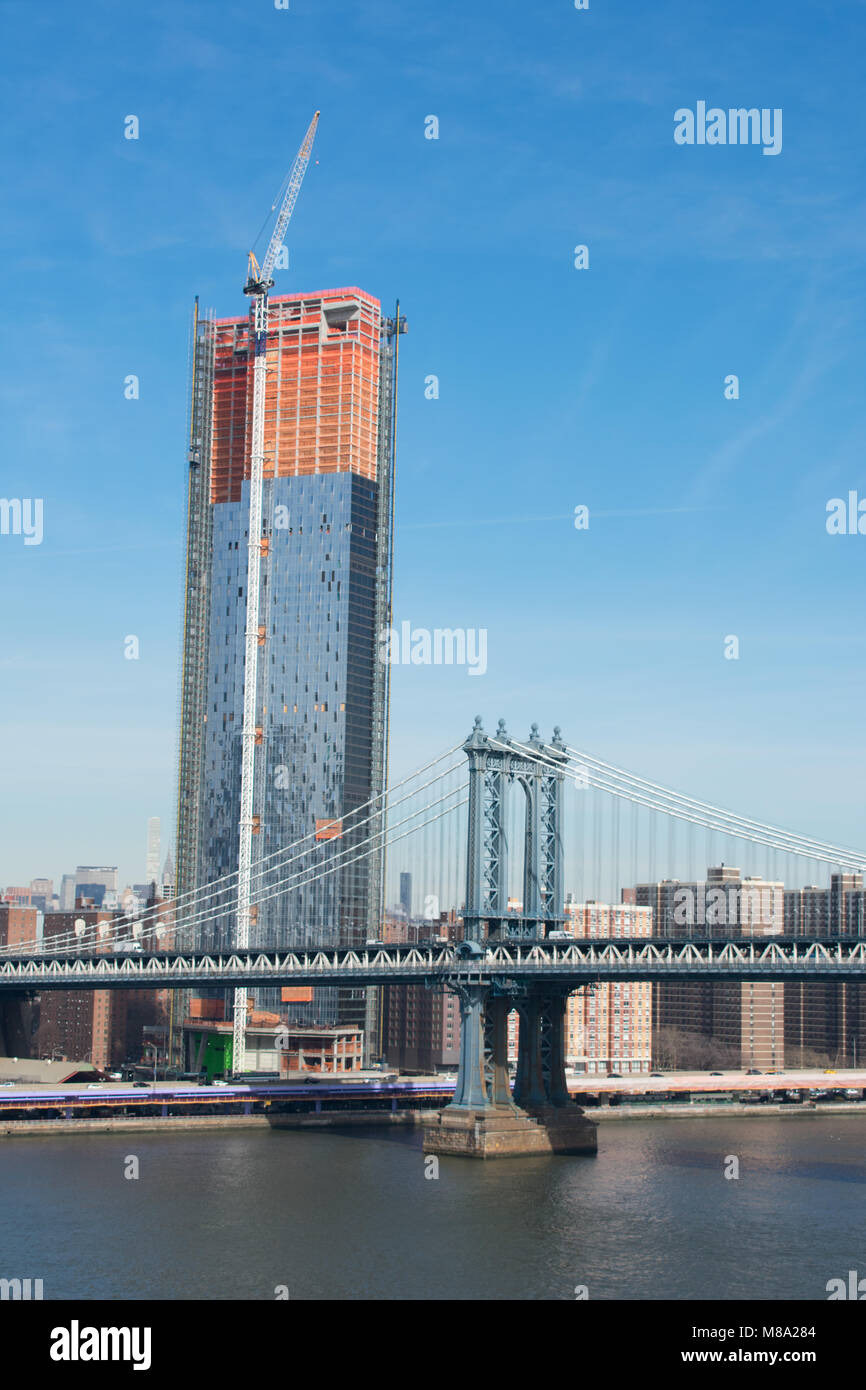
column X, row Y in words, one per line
column 258, row 283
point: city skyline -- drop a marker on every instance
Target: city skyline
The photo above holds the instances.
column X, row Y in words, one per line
column 432, row 539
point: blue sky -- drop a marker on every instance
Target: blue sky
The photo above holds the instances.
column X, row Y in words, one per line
column 558, row 387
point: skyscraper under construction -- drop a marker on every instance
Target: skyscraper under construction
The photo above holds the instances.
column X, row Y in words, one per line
column 325, row 594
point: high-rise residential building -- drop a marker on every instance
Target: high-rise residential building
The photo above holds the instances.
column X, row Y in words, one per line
column 825, row 1021
column 608, row 1027
column 324, row 597
column 406, row 895
column 421, row 1027
column 421, row 1030
column 151, row 868
column 67, row 893
column 101, row 1026
column 85, row 1025
column 834, row 911
column 698, row 1023
column 19, row 1018
column 19, row 925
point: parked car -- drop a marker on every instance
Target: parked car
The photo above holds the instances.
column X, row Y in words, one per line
column 146, row 1084
column 614, row 1076
column 717, row 1073
column 754, row 1071
column 656, row 1073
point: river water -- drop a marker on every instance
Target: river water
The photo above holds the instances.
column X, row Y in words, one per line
column 351, row 1215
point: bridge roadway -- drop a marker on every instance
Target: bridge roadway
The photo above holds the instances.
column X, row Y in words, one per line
column 581, row 962
column 345, row 1094
column 26, row 1099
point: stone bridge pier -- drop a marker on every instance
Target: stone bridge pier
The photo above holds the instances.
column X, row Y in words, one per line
column 484, row 1120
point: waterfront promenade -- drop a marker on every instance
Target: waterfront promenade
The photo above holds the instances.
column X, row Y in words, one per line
column 368, row 1101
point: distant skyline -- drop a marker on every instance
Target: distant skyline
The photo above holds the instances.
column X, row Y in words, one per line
column 165, row 857
column 557, row 387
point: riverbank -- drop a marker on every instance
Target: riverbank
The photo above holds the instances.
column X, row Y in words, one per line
column 603, row 1113
column 337, row 1119
column 127, row 1124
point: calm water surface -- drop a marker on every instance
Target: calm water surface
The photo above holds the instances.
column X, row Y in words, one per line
column 351, row 1215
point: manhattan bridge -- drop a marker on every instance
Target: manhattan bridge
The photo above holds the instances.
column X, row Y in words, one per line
column 491, row 828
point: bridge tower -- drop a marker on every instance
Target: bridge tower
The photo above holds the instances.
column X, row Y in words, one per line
column 497, row 768
column 484, row 1120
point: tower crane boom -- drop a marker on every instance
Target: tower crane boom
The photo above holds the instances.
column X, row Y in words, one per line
column 259, row 279
column 258, row 283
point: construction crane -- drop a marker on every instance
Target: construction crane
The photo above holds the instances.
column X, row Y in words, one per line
column 257, row 285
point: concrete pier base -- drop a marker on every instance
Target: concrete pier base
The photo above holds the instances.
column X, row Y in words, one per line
column 569, row 1130
column 506, row 1132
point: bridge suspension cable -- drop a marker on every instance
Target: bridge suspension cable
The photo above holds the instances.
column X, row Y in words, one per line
column 367, row 853
column 331, row 868
column 154, row 919
column 839, row 853
column 621, row 784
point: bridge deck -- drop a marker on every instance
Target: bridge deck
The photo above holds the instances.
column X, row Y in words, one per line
column 580, row 963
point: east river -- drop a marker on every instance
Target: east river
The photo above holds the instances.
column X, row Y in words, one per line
column 351, row 1215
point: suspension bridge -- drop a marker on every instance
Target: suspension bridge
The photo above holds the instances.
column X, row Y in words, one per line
column 492, row 828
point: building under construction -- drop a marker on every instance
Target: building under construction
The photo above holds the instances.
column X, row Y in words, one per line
column 324, row 595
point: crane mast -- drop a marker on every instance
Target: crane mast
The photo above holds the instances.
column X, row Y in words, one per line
column 257, row 285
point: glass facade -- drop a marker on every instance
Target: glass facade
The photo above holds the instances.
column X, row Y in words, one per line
column 320, row 683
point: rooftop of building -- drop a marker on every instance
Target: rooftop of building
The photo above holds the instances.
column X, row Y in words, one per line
column 318, row 1030
column 344, row 292
column 33, row 1069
